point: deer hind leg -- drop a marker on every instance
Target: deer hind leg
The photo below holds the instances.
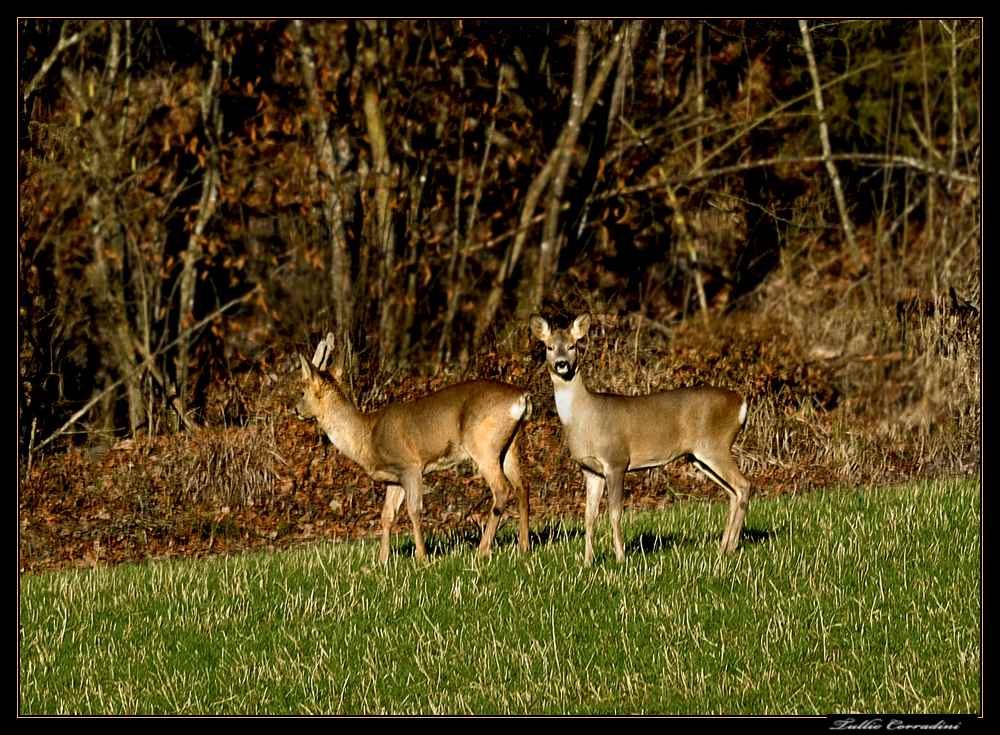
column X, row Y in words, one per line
column 501, row 489
column 721, row 468
column 394, row 495
column 595, row 487
column 512, row 470
column 492, row 447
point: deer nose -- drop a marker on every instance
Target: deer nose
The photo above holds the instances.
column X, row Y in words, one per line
column 562, row 367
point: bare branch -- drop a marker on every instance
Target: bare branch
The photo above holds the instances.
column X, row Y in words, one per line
column 65, row 42
column 115, row 385
column 869, row 159
column 168, row 390
column 824, row 136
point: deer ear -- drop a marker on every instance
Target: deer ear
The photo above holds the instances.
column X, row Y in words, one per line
column 307, row 370
column 581, row 325
column 539, row 327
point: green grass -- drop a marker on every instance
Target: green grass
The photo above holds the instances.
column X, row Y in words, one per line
column 838, row 601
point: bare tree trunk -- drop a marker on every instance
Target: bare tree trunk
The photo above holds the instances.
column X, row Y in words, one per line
column 625, row 64
column 106, row 283
column 931, row 182
column 699, row 107
column 105, row 272
column 122, row 124
column 661, row 57
column 212, row 120
column 549, row 248
column 492, row 302
column 143, row 278
column 384, row 236
column 824, row 136
column 123, row 279
column 457, row 276
column 690, row 244
column 417, row 184
column 953, row 87
column 340, row 268
column 947, row 229
column 452, row 284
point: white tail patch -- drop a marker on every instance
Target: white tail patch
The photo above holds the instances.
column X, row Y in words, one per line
column 518, row 408
column 743, row 413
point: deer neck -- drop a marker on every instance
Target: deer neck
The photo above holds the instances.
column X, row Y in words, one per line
column 348, row 429
column 571, row 397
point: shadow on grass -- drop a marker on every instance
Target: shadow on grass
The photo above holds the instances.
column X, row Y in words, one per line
column 649, row 542
column 439, row 544
column 447, row 542
column 555, row 532
column 559, row 532
column 757, row 536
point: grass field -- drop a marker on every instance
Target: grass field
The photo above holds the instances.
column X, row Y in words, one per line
column 841, row 600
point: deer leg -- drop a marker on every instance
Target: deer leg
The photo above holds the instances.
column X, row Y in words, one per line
column 501, row 488
column 616, row 490
column 743, row 504
column 721, row 468
column 394, row 495
column 512, row 469
column 413, row 485
column 727, row 535
column 595, row 486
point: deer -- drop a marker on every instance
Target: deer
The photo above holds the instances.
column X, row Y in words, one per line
column 478, row 420
column 609, row 435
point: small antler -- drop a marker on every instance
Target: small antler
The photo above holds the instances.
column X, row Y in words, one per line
column 324, row 351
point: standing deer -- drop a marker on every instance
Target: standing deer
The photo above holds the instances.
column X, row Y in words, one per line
column 477, row 420
column 608, row 435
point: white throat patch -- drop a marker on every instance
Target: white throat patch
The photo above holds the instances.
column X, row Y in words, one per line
column 564, row 404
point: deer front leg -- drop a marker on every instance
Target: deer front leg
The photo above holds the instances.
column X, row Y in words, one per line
column 616, row 490
column 413, row 486
column 394, row 495
column 595, row 486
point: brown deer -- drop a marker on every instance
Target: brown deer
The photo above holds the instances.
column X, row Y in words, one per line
column 477, row 420
column 609, row 435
